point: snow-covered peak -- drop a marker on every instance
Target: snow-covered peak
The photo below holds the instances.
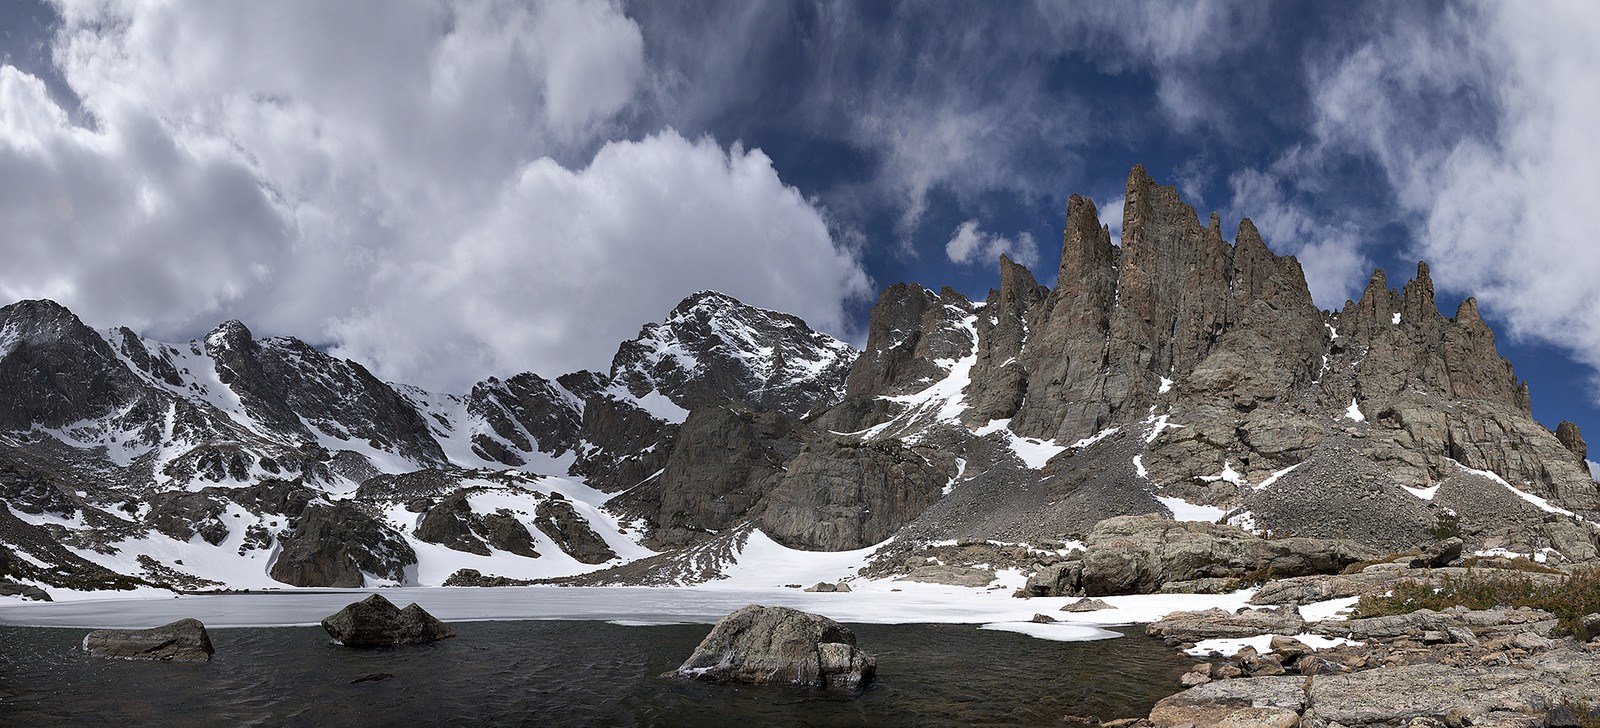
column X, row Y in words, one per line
column 713, row 348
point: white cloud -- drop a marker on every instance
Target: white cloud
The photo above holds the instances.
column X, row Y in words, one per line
column 1111, row 215
column 1501, row 206
column 568, row 263
column 1328, row 252
column 969, row 244
column 410, row 182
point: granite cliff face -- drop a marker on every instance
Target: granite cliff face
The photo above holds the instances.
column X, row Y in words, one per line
column 1177, row 375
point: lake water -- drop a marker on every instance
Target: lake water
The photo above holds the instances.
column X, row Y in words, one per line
column 574, row 673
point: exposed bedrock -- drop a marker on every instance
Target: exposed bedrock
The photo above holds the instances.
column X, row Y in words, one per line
column 842, row 494
column 338, row 545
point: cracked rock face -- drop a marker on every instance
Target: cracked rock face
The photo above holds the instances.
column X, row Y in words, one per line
column 338, row 546
column 838, row 495
column 557, row 519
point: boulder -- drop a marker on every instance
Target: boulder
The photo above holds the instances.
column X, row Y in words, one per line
column 24, row 591
column 473, row 577
column 376, row 622
column 776, row 645
column 1306, row 589
column 1460, row 696
column 185, row 640
column 1440, row 553
column 826, row 588
column 950, row 575
column 1087, row 604
column 1140, row 554
column 1054, row 580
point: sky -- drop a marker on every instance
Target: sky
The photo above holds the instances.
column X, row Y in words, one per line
column 447, row 190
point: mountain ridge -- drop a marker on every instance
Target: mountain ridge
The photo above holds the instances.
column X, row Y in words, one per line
column 1178, row 374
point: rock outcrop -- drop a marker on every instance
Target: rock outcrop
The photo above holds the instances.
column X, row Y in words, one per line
column 1138, row 554
column 560, row 521
column 839, row 494
column 376, row 622
column 779, row 646
column 338, row 546
column 185, row 640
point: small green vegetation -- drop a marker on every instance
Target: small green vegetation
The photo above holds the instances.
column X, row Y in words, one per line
column 1570, row 599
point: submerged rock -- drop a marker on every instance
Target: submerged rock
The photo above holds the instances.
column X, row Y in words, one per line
column 375, row 622
column 776, row 645
column 185, row 640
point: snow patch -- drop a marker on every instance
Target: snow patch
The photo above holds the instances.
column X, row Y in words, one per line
column 1092, row 439
column 1032, row 452
column 1353, row 412
column 1055, row 632
column 1231, row 646
column 1183, row 510
column 1157, row 425
column 1228, row 475
column 1538, row 502
column 1273, row 478
column 1328, row 609
column 1426, row 494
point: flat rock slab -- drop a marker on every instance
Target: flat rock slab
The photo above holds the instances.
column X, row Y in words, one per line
column 1514, row 695
column 376, row 622
column 1260, row 701
column 1221, row 623
column 760, row 645
column 1497, row 622
column 185, row 640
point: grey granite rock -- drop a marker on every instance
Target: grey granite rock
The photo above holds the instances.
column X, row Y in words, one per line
column 185, row 640
column 777, row 645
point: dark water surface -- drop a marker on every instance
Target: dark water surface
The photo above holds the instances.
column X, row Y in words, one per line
column 554, row 673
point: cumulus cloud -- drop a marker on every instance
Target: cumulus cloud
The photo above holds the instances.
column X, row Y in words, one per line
column 568, row 257
column 433, row 186
column 969, row 244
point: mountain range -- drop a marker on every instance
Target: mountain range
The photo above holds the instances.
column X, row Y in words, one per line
column 1176, row 373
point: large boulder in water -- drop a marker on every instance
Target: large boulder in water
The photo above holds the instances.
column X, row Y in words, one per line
column 376, row 622
column 776, row 645
column 185, row 640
